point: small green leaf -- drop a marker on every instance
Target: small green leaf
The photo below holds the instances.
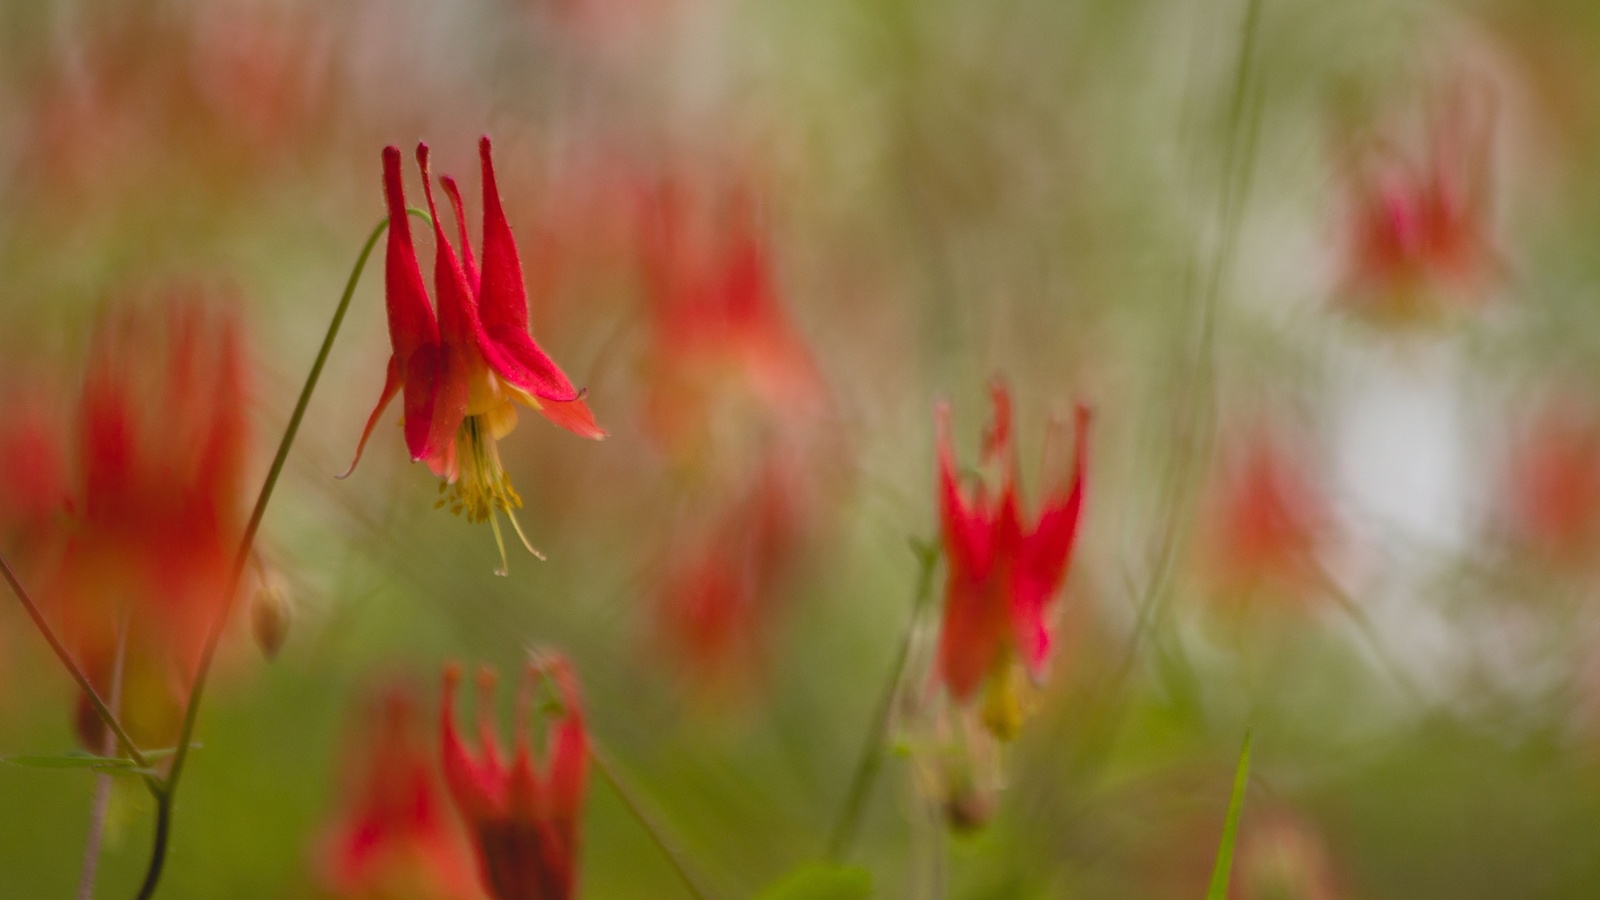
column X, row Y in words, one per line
column 72, row 759
column 816, row 881
column 1222, row 872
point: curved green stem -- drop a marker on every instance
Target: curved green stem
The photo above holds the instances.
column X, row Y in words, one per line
column 241, row 559
column 100, row 707
column 872, row 751
column 670, row 850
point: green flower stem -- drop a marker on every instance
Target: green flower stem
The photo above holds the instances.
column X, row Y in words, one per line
column 100, row 707
column 872, row 752
column 164, row 796
column 669, row 849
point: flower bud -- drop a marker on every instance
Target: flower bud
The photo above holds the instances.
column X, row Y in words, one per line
column 270, row 616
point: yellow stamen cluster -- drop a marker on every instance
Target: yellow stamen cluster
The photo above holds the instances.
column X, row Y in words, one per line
column 481, row 485
column 1005, row 705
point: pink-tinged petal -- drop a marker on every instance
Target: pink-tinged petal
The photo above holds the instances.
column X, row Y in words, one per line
column 574, row 416
column 391, row 386
column 503, row 303
column 1044, row 556
column 422, row 380
column 411, row 318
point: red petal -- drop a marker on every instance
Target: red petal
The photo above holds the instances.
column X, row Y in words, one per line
column 569, row 754
column 503, row 303
column 971, row 634
column 449, row 408
column 411, row 319
column 964, row 528
column 1044, row 556
column 458, row 314
column 475, row 789
column 467, row 263
column 574, row 416
column 421, row 396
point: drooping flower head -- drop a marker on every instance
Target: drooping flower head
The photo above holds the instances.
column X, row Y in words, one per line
column 1420, row 245
column 723, row 354
column 1003, row 574
column 524, row 822
column 462, row 372
column 396, row 838
column 157, row 513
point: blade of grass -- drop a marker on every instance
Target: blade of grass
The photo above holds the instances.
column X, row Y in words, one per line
column 1222, row 872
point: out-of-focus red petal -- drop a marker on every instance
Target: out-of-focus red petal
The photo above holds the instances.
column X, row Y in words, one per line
column 961, row 526
column 569, row 752
column 971, row 635
column 479, row 790
column 1044, row 555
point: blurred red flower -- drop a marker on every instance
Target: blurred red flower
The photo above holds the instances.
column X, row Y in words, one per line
column 1420, row 245
column 721, row 593
column 157, row 515
column 723, row 355
column 34, row 488
column 1265, row 523
column 524, row 823
column 396, row 839
column 1002, row 576
column 463, row 371
column 1552, row 486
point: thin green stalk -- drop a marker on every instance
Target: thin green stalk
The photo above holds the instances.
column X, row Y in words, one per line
column 1195, row 427
column 100, row 707
column 872, row 751
column 1222, row 871
column 241, row 559
column 674, row 855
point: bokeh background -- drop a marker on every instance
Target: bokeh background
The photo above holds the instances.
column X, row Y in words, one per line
column 1336, row 318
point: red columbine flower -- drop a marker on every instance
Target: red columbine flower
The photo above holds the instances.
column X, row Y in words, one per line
column 720, row 339
column 397, row 838
column 1420, row 242
column 157, row 515
column 463, row 371
column 524, row 823
column 1265, row 525
column 1002, row 577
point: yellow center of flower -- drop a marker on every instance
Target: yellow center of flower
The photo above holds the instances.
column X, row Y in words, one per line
column 482, row 487
column 1004, row 706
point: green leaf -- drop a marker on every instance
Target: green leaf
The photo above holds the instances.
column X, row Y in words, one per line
column 816, row 881
column 72, row 759
column 1222, row 872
